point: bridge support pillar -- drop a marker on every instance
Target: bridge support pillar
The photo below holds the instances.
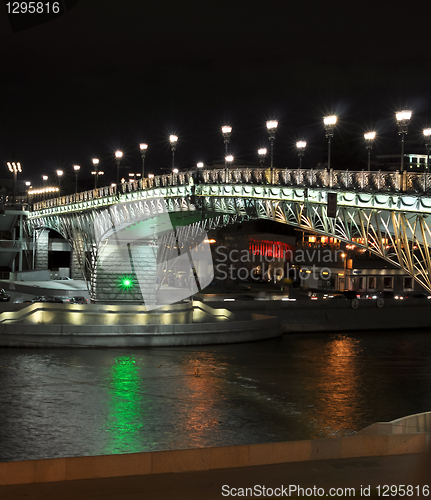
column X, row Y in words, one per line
column 125, row 274
column 41, row 250
column 76, row 272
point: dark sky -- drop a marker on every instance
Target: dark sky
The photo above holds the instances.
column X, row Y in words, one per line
column 109, row 75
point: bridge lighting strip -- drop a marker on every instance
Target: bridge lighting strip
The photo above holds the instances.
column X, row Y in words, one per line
column 379, row 201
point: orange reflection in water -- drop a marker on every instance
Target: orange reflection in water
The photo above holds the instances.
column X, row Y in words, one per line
column 337, row 380
column 202, row 387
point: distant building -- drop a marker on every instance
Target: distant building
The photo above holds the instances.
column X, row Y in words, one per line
column 412, row 162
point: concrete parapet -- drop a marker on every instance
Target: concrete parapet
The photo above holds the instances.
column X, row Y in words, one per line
column 419, row 422
column 200, row 459
column 65, row 325
column 337, row 315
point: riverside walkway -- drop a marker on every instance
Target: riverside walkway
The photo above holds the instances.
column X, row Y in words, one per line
column 357, row 473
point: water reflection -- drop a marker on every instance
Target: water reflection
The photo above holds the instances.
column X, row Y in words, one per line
column 337, row 381
column 60, row 402
column 127, row 412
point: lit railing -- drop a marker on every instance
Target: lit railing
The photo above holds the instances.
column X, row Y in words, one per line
column 389, row 182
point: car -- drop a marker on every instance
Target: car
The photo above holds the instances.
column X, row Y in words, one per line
column 47, row 298
column 78, row 300
column 4, row 296
column 418, row 295
column 386, row 294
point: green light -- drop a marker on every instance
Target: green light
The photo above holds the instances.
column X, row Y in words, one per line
column 126, row 283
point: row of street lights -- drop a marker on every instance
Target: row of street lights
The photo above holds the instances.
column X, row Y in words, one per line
column 402, row 117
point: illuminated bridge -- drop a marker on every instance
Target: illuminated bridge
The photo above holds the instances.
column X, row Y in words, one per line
column 149, row 221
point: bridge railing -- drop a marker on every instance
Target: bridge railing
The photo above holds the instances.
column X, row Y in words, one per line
column 350, row 180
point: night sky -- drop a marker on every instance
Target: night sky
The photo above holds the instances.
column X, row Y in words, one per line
column 107, row 75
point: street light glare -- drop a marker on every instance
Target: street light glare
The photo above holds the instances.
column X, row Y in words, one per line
column 271, row 124
column 226, row 129
column 370, row 136
column 95, row 161
column 200, row 165
column 45, row 177
column 175, row 171
column 143, row 146
column 427, row 132
column 14, row 167
column 118, row 154
column 301, row 144
column 229, row 158
column 173, row 139
column 330, row 120
column 59, row 173
column 403, row 115
column 262, row 151
column 76, row 168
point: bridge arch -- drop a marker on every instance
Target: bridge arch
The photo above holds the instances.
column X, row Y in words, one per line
column 392, row 224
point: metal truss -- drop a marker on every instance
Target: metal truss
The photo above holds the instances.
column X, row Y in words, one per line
column 387, row 213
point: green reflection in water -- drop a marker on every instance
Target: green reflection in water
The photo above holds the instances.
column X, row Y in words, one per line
column 125, row 419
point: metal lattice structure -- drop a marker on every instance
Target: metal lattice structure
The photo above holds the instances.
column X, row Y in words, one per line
column 387, row 213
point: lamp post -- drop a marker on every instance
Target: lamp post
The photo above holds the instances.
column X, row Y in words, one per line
column 300, row 146
column 262, row 155
column 329, row 123
column 96, row 174
column 403, row 119
column 173, row 139
column 271, row 126
column 427, row 135
column 226, row 131
column 76, row 168
column 118, row 156
column 95, row 162
column 59, row 175
column 369, row 138
column 14, row 167
column 228, row 160
column 143, row 147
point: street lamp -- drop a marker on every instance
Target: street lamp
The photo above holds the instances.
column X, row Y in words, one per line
column 300, row 146
column 228, row 160
column 118, row 156
column 59, row 175
column 226, row 130
column 173, row 139
column 403, row 119
column 262, row 155
column 96, row 174
column 77, row 168
column 329, row 123
column 200, row 165
column 271, row 126
column 143, row 147
column 427, row 135
column 369, row 138
column 14, row 167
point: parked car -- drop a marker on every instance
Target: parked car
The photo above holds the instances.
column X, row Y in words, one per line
column 47, row 298
column 417, row 295
column 5, row 297
column 78, row 300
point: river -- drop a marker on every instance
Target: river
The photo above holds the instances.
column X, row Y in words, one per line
column 74, row 402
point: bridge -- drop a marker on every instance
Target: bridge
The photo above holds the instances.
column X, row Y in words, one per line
column 144, row 226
